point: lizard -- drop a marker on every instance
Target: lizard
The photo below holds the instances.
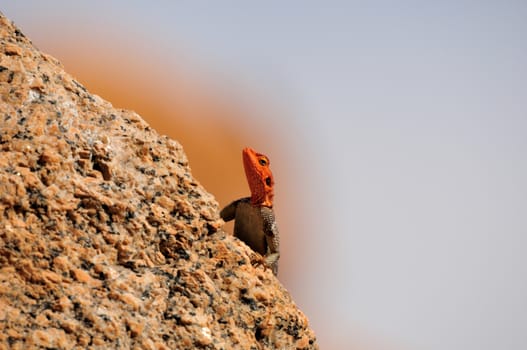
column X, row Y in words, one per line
column 254, row 219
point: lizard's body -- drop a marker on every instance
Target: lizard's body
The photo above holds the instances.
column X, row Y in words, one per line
column 254, row 220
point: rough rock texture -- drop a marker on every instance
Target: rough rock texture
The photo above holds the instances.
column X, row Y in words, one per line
column 106, row 240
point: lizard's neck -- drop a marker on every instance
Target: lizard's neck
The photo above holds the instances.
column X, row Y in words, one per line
column 265, row 199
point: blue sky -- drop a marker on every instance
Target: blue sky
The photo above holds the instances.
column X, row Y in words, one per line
column 408, row 120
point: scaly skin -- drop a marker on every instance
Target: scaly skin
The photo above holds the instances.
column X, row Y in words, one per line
column 254, row 220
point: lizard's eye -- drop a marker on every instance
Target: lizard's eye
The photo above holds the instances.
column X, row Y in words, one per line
column 262, row 161
column 268, row 181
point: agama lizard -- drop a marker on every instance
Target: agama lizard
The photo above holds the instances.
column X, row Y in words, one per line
column 254, row 220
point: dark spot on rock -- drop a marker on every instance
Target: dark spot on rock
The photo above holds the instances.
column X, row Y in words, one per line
column 86, row 265
column 258, row 335
column 54, row 252
column 249, row 301
column 183, row 254
column 103, row 168
column 19, row 34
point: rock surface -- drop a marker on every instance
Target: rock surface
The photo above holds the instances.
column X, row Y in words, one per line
column 106, row 239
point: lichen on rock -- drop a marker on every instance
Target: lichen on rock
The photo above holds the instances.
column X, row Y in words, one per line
column 106, row 239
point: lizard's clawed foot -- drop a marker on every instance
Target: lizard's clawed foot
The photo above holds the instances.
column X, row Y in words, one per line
column 267, row 262
column 258, row 260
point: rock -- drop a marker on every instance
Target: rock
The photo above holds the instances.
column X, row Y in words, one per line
column 106, row 239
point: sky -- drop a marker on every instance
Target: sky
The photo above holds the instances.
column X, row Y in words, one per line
column 397, row 136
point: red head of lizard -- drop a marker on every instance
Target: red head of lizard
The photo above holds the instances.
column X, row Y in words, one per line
column 259, row 177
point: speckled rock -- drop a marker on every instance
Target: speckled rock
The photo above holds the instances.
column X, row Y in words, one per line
column 106, row 239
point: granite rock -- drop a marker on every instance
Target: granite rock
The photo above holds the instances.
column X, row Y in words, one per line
column 106, row 239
